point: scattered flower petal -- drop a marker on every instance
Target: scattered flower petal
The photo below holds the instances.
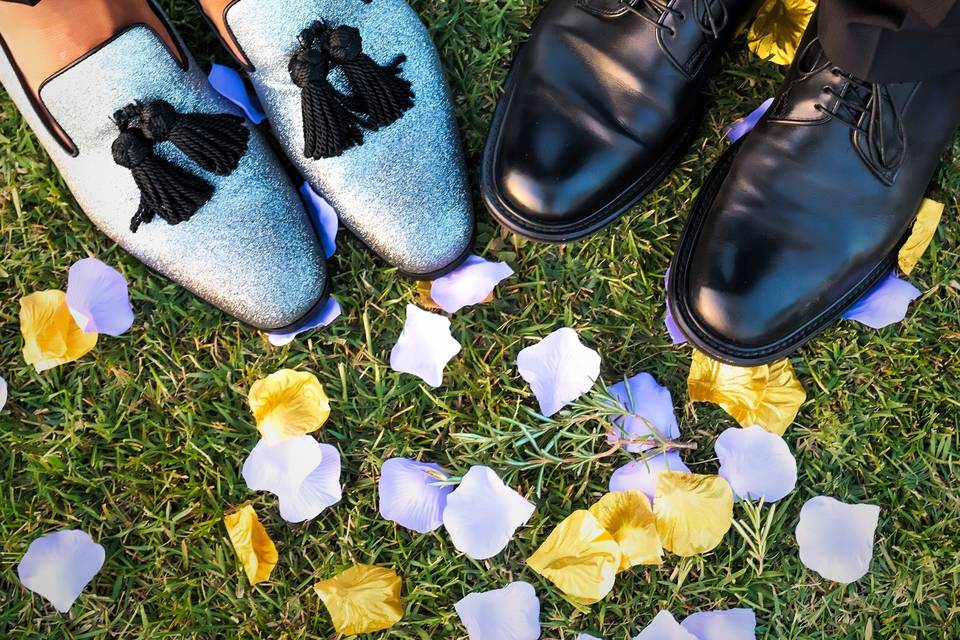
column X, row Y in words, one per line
column 425, row 346
column 559, row 369
column 651, row 406
column 59, row 565
column 3, row 393
column 924, row 228
column 511, row 613
column 778, row 28
column 324, row 218
column 98, row 298
column 836, row 539
column 229, row 84
column 362, row 599
column 694, row 512
column 642, row 474
column 425, row 295
column 768, row 396
column 303, row 473
column 253, row 545
column 580, row 557
column 628, row 517
column 410, row 494
column 587, row 636
column 887, row 303
column 469, row 284
column 322, row 317
column 730, row 624
column 676, row 336
column 51, row 336
column 756, row 463
column 664, row 627
column 745, row 125
column 288, row 404
column 482, row 513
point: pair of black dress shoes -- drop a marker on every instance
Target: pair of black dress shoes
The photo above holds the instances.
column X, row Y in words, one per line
column 797, row 220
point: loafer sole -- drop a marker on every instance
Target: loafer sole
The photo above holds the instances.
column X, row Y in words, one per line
column 686, row 132
column 716, row 346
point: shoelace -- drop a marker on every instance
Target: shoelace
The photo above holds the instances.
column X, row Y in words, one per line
column 702, row 9
column 871, row 98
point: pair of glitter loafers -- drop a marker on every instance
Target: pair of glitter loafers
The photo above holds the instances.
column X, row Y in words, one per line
column 167, row 168
column 798, row 220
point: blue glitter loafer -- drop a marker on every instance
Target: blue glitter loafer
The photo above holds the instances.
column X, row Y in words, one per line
column 358, row 99
column 157, row 160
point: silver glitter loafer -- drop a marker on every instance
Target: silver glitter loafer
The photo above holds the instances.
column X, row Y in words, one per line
column 358, row 99
column 157, row 160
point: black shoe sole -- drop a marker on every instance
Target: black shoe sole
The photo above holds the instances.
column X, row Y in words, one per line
column 716, row 346
column 685, row 133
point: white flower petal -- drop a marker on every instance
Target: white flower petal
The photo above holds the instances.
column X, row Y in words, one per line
column 482, row 513
column 3, row 393
column 301, row 472
column 652, row 412
column 410, row 495
column 664, row 627
column 586, row 636
column 642, row 474
column 97, row 298
column 59, row 565
column 319, row 490
column 468, row 284
column 511, row 613
column 756, row 463
column 836, row 539
column 559, row 369
column 425, row 346
column 731, row 624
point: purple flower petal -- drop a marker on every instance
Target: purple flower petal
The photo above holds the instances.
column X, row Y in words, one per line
column 324, row 218
column 676, row 336
column 303, row 473
column 59, row 565
column 652, row 408
column 885, row 304
column 756, row 463
column 559, row 369
column 664, row 627
column 744, row 125
column 511, row 613
column 482, row 514
column 731, row 624
column 410, row 494
column 320, row 318
column 836, row 539
column 425, row 346
column 468, row 284
column 98, row 298
column 229, row 84
column 641, row 475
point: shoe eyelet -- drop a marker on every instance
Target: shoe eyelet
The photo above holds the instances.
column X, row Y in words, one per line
column 826, row 89
column 681, row 16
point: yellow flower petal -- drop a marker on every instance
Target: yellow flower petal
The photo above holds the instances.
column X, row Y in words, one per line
column 254, row 547
column 51, row 336
column 693, row 512
column 580, row 557
column 362, row 599
column 628, row 517
column 288, row 404
column 928, row 218
column 778, row 28
column 767, row 396
column 425, row 294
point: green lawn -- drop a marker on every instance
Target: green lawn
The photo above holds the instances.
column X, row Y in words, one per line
column 141, row 442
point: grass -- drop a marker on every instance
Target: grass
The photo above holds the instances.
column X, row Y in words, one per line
column 141, row 442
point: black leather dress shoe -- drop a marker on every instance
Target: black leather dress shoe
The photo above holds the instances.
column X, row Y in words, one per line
column 803, row 216
column 600, row 105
